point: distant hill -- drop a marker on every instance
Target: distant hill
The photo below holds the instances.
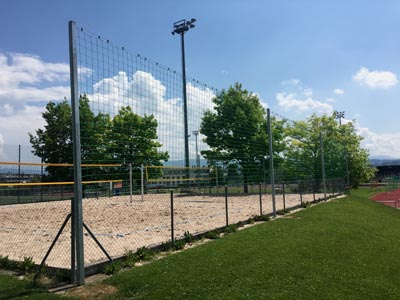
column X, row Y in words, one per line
column 384, row 161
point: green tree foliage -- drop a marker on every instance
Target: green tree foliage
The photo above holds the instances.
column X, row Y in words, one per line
column 133, row 139
column 54, row 143
column 236, row 134
column 126, row 138
column 303, row 154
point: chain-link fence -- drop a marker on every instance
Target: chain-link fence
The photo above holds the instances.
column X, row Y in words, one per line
column 137, row 187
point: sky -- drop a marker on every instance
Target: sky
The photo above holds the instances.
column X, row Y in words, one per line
column 299, row 57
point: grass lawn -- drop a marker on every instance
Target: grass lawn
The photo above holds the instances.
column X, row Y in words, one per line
column 344, row 249
column 15, row 289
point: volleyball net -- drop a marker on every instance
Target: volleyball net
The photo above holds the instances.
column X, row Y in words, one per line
column 27, row 182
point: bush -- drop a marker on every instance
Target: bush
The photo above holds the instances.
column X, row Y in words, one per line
column 212, row 235
column 188, row 237
column 166, row 246
column 5, row 262
column 305, row 204
column 28, row 265
column 231, row 228
column 262, row 218
column 130, row 259
column 144, row 253
column 179, row 245
column 241, row 224
column 251, row 221
column 112, row 268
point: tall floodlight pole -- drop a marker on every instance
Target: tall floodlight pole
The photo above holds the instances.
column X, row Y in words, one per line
column 339, row 115
column 180, row 27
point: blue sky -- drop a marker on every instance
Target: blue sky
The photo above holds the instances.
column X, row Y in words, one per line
column 300, row 57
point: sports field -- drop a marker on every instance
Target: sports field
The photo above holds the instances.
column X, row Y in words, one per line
column 27, row 230
column 391, row 198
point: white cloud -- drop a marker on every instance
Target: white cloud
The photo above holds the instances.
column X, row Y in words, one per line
column 330, row 100
column 26, row 83
column 33, row 94
column 384, row 144
column 338, row 91
column 14, row 127
column 148, row 95
column 263, row 102
column 17, row 69
column 308, row 92
column 376, row 79
column 291, row 101
column 292, row 81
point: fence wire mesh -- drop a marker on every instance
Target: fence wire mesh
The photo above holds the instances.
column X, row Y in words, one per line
column 133, row 156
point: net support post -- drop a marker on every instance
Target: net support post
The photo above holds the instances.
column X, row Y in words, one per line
column 77, row 252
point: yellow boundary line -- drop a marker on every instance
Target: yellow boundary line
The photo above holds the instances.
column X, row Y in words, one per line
column 173, row 167
column 56, row 165
column 56, row 183
column 174, row 180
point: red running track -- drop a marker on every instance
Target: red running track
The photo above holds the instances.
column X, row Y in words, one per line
column 389, row 198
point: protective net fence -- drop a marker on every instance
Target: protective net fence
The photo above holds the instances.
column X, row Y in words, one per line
column 144, row 180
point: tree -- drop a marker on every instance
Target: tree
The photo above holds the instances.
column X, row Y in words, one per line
column 360, row 169
column 126, row 138
column 54, row 143
column 236, row 133
column 133, row 139
column 303, row 154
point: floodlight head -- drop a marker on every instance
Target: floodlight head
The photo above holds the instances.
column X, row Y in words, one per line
column 182, row 26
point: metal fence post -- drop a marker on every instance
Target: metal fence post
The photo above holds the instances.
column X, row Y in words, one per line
column 321, row 142
column 283, row 196
column 76, row 205
column 313, row 189
column 301, row 198
column 226, row 205
column 19, row 172
column 271, row 162
column 142, row 181
column 172, row 217
column 41, row 179
column 130, row 182
column 261, row 211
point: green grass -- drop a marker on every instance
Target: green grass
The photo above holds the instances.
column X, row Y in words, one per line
column 345, row 249
column 12, row 288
